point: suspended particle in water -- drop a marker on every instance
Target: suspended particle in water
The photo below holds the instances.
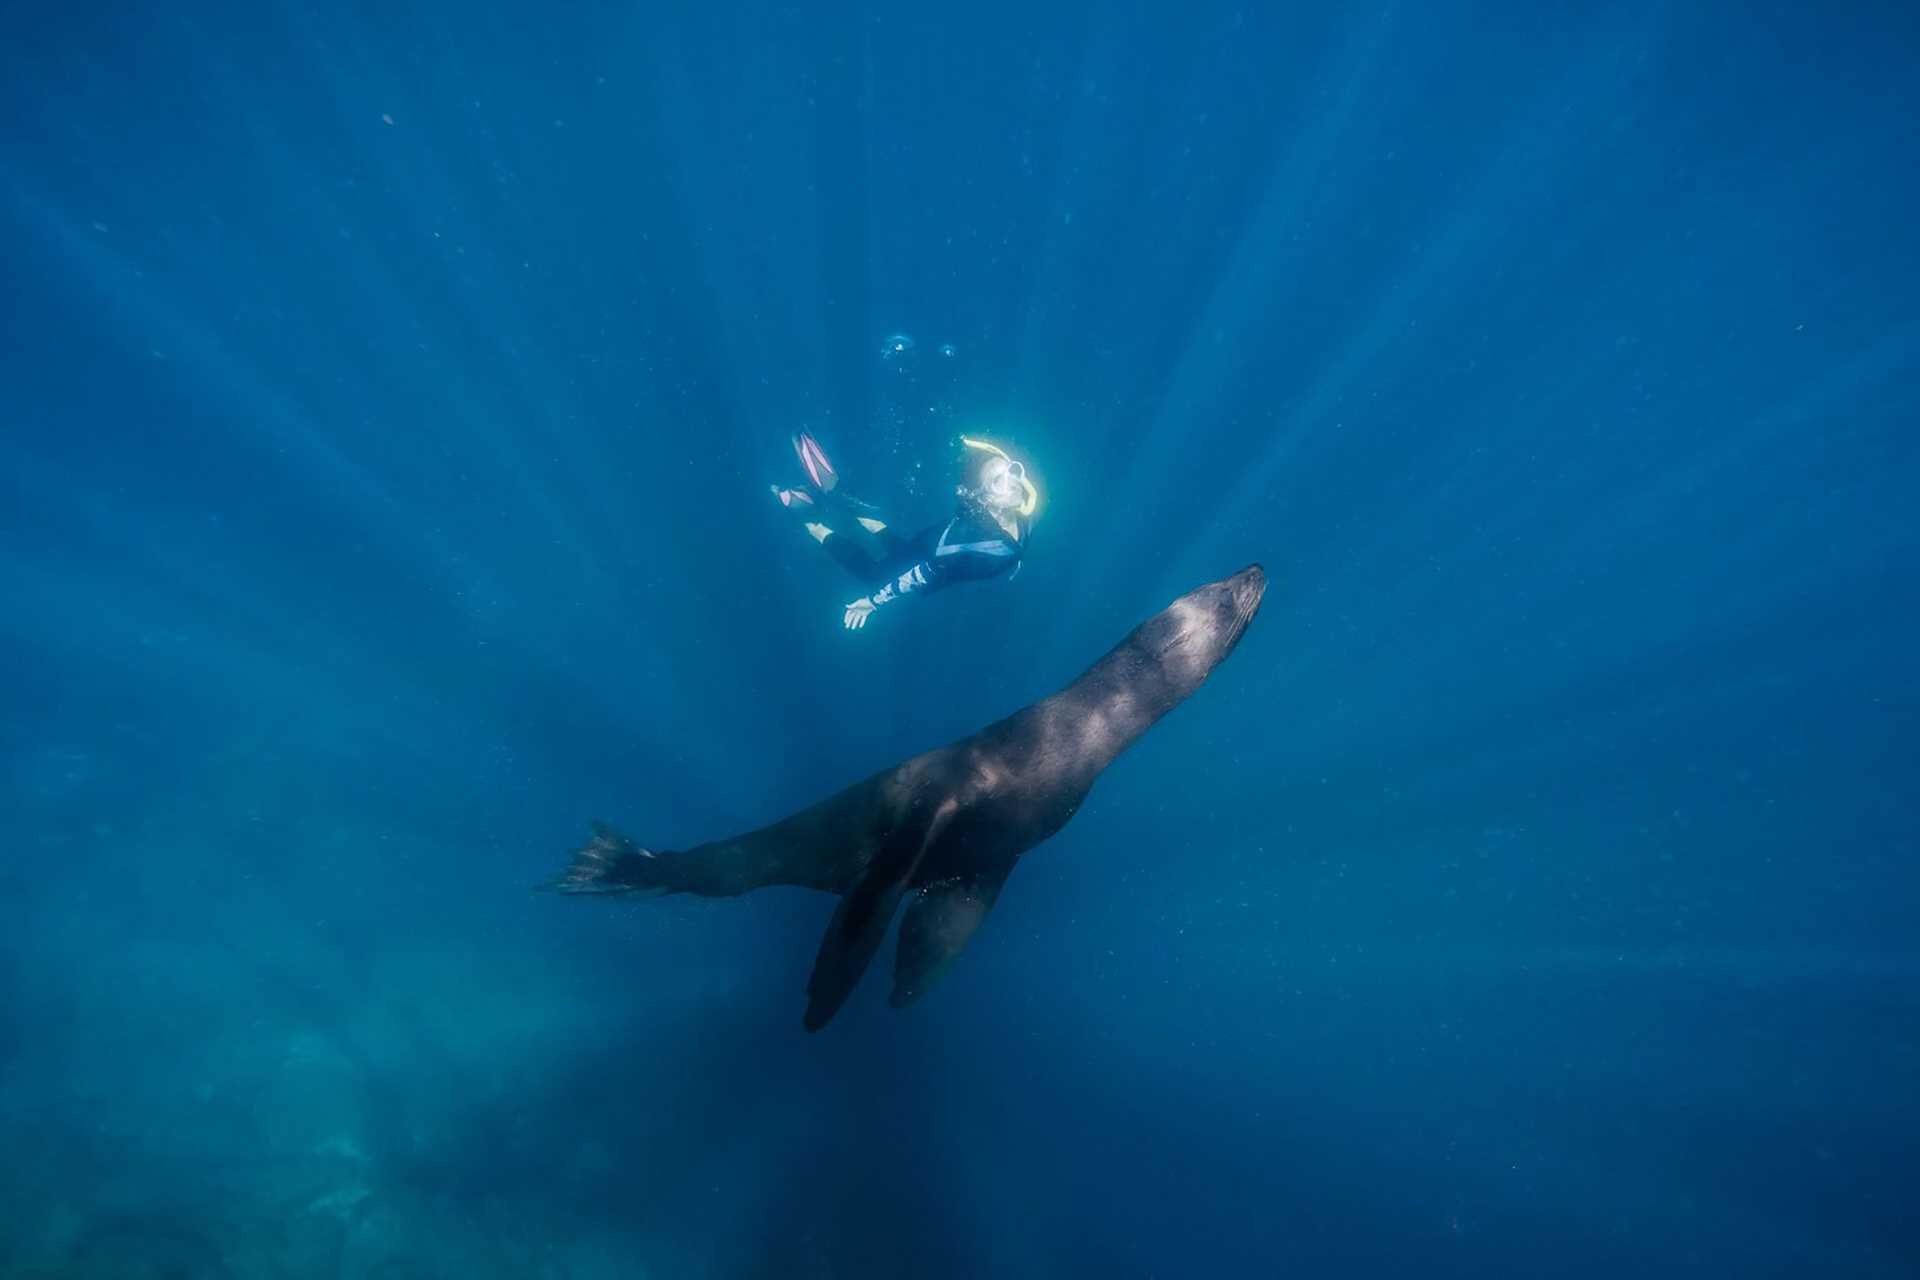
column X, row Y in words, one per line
column 896, row 349
column 946, row 351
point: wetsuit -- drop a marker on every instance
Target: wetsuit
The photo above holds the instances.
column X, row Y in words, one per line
column 966, row 547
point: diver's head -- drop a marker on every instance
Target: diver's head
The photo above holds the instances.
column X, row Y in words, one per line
column 996, row 481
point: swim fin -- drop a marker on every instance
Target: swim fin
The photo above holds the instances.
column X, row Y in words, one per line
column 814, row 459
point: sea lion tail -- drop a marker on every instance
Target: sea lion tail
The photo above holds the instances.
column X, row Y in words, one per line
column 611, row 863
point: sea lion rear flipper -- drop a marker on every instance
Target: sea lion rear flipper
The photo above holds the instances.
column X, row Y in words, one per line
column 940, row 921
column 860, row 922
column 611, row 863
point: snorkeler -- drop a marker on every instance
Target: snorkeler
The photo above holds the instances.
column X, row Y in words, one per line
column 984, row 538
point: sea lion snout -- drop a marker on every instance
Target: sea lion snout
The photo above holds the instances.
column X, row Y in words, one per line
column 1249, row 587
column 1244, row 591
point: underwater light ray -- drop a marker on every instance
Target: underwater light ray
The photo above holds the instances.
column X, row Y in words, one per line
column 1298, row 173
column 779, row 328
column 1521, row 180
column 140, row 315
column 1624, row 509
column 758, row 278
column 555, row 487
column 1810, row 423
column 263, row 426
column 1297, row 169
column 1503, row 414
column 264, row 422
column 492, row 419
column 1081, row 136
column 455, row 210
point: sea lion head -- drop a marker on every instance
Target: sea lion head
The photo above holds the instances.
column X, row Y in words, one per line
column 1194, row 634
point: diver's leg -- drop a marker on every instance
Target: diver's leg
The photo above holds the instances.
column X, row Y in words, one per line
column 849, row 531
column 861, row 553
column 886, row 557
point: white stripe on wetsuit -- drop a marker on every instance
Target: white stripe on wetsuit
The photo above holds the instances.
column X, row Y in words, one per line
column 994, row 547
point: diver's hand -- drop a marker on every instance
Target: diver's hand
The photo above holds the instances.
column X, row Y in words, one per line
column 857, row 613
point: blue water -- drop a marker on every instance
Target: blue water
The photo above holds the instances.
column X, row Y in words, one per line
column 389, row 398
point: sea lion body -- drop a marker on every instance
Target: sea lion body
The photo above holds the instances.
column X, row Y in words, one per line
column 945, row 828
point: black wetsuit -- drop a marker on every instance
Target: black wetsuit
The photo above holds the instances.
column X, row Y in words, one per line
column 968, row 546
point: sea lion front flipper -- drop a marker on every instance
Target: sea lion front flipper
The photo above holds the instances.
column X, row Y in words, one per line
column 940, row 921
column 860, row 922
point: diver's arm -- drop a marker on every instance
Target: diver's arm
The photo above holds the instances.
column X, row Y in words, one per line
column 949, row 564
column 925, row 576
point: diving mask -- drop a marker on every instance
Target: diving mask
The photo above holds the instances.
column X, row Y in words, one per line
column 1002, row 483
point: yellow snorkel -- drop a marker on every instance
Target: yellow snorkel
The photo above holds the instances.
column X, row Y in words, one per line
column 1015, row 469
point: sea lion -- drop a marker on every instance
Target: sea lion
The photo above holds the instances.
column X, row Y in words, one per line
column 946, row 827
